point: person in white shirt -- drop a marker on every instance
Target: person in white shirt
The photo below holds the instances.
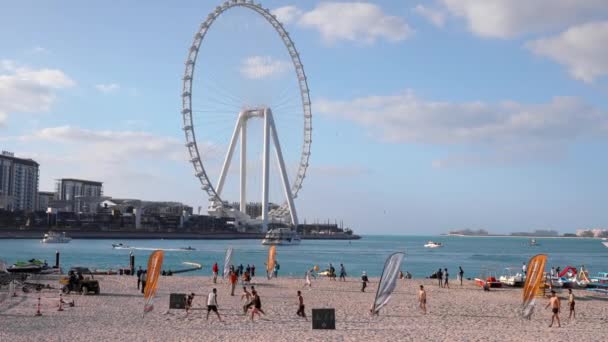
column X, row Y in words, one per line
column 523, row 268
column 212, row 304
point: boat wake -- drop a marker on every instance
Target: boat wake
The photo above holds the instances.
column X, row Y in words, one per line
column 154, row 249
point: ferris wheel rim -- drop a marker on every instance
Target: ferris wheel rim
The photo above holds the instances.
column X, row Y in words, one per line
column 188, row 121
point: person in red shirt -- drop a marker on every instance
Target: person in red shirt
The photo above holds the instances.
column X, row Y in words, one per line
column 233, row 279
column 215, row 270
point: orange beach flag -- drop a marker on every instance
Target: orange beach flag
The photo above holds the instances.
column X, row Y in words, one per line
column 272, row 253
column 155, row 264
column 534, row 277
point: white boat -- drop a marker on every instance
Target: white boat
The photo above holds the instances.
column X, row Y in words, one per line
column 605, row 244
column 55, row 237
column 431, row 244
column 533, row 242
column 512, row 277
column 281, row 236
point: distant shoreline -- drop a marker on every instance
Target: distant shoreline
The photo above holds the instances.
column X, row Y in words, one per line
column 130, row 235
column 522, row 236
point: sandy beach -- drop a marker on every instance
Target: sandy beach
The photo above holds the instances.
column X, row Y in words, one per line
column 458, row 314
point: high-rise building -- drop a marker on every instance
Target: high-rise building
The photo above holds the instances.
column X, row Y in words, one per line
column 45, row 198
column 78, row 195
column 18, row 183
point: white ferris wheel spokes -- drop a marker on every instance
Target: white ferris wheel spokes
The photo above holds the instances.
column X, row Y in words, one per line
column 218, row 206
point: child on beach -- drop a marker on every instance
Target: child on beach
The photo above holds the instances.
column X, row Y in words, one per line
column 364, row 281
column 555, row 304
column 301, row 312
column 189, row 301
column 422, row 299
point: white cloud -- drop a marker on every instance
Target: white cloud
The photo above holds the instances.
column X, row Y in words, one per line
column 354, row 21
column 501, row 127
column 287, row 14
column 583, row 49
column 111, row 145
column 434, row 16
column 259, row 67
column 509, row 18
column 27, row 90
column 40, row 50
column 107, row 88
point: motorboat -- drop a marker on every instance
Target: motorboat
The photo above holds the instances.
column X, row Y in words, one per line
column 55, row 237
column 281, row 237
column 431, row 244
column 533, row 242
column 512, row 277
column 120, row 246
column 188, row 248
column 605, row 243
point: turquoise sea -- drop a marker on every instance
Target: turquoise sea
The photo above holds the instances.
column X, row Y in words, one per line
column 474, row 254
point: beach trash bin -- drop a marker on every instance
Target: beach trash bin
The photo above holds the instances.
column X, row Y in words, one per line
column 324, row 318
column 177, row 301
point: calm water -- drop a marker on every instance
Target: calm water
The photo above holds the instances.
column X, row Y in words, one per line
column 367, row 254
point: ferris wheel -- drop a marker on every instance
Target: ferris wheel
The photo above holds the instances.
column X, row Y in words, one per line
column 197, row 135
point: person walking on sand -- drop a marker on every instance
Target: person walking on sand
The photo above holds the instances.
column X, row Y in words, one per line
column 212, row 304
column 342, row 273
column 364, row 281
column 422, row 299
column 440, row 277
column 252, row 271
column 460, row 274
column 257, row 305
column 189, row 301
column 571, row 304
column 233, row 280
column 247, row 297
column 277, row 267
column 301, row 312
column 139, row 272
column 308, row 282
column 446, row 276
column 215, row 270
column 144, row 278
column 555, row 304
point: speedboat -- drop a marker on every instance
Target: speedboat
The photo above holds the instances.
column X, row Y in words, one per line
column 120, row 246
column 281, row 237
column 605, row 244
column 431, row 244
column 54, row 237
column 188, row 248
column 533, row 243
column 511, row 277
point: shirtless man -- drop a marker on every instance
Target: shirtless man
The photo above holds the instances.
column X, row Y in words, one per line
column 422, row 299
column 247, row 297
column 555, row 306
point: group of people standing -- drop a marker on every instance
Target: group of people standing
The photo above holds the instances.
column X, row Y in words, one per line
column 443, row 277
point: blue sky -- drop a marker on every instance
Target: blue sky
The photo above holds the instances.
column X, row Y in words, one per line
column 427, row 115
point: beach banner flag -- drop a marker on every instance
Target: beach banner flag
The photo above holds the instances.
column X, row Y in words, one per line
column 272, row 254
column 227, row 261
column 155, row 264
column 388, row 281
column 534, row 277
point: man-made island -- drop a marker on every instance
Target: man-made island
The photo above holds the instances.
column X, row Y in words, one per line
column 539, row 233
